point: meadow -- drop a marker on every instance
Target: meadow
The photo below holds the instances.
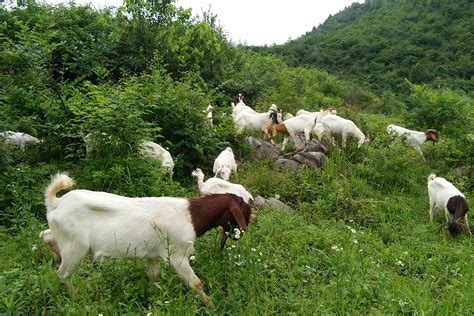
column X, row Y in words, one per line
column 359, row 240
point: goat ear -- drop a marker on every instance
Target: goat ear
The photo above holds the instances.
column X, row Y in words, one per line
column 239, row 217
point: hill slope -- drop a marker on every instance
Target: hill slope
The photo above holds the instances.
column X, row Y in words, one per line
column 382, row 42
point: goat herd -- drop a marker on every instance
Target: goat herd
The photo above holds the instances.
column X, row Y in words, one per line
column 165, row 228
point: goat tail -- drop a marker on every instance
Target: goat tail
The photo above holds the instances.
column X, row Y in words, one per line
column 431, row 177
column 60, row 181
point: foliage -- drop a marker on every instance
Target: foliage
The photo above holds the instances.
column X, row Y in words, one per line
column 380, row 43
column 359, row 240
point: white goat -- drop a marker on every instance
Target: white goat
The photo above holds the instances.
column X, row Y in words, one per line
column 154, row 151
column 20, row 140
column 287, row 116
column 113, row 226
column 208, row 112
column 412, row 138
column 225, row 164
column 302, row 124
column 255, row 121
column 445, row 196
column 318, row 113
column 333, row 124
column 216, row 185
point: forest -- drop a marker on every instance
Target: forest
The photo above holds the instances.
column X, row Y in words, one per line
column 380, row 43
column 358, row 241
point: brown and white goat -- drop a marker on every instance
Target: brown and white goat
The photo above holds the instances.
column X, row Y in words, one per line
column 153, row 228
column 445, row 196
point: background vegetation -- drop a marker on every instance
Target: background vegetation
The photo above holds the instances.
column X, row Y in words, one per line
column 380, row 42
column 359, row 240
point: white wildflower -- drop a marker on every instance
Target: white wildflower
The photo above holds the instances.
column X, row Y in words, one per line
column 400, row 263
column 277, row 196
column 253, row 249
column 355, row 241
column 260, row 253
column 167, row 302
column 336, row 248
column 34, row 247
column 192, row 258
column 405, row 252
column 402, row 303
column 233, row 246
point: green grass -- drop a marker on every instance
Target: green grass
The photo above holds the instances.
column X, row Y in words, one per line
column 359, row 242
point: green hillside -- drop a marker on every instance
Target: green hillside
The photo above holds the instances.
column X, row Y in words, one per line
column 359, row 240
column 381, row 42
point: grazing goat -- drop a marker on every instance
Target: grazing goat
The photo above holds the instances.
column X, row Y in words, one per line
column 152, row 228
column 317, row 114
column 412, row 138
column 208, row 112
column 20, row 140
column 445, row 196
column 256, row 121
column 292, row 127
column 217, row 185
column 225, row 164
column 333, row 124
column 156, row 152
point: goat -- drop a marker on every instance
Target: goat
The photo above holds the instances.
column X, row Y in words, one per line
column 445, row 196
column 292, row 127
column 20, row 140
column 333, row 124
column 208, row 112
column 318, row 113
column 153, row 228
column 217, row 185
column 412, row 138
column 154, row 151
column 224, row 164
column 256, row 121
column 287, row 116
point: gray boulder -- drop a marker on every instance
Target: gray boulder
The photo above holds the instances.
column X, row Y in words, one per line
column 314, row 145
column 462, row 171
column 312, row 159
column 263, row 149
column 273, row 203
column 283, row 163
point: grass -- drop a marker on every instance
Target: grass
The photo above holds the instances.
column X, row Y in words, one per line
column 359, row 242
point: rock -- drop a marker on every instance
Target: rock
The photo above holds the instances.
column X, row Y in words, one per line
column 462, row 171
column 283, row 163
column 312, row 159
column 313, row 145
column 277, row 204
column 263, row 149
column 273, row 203
column 259, row 201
